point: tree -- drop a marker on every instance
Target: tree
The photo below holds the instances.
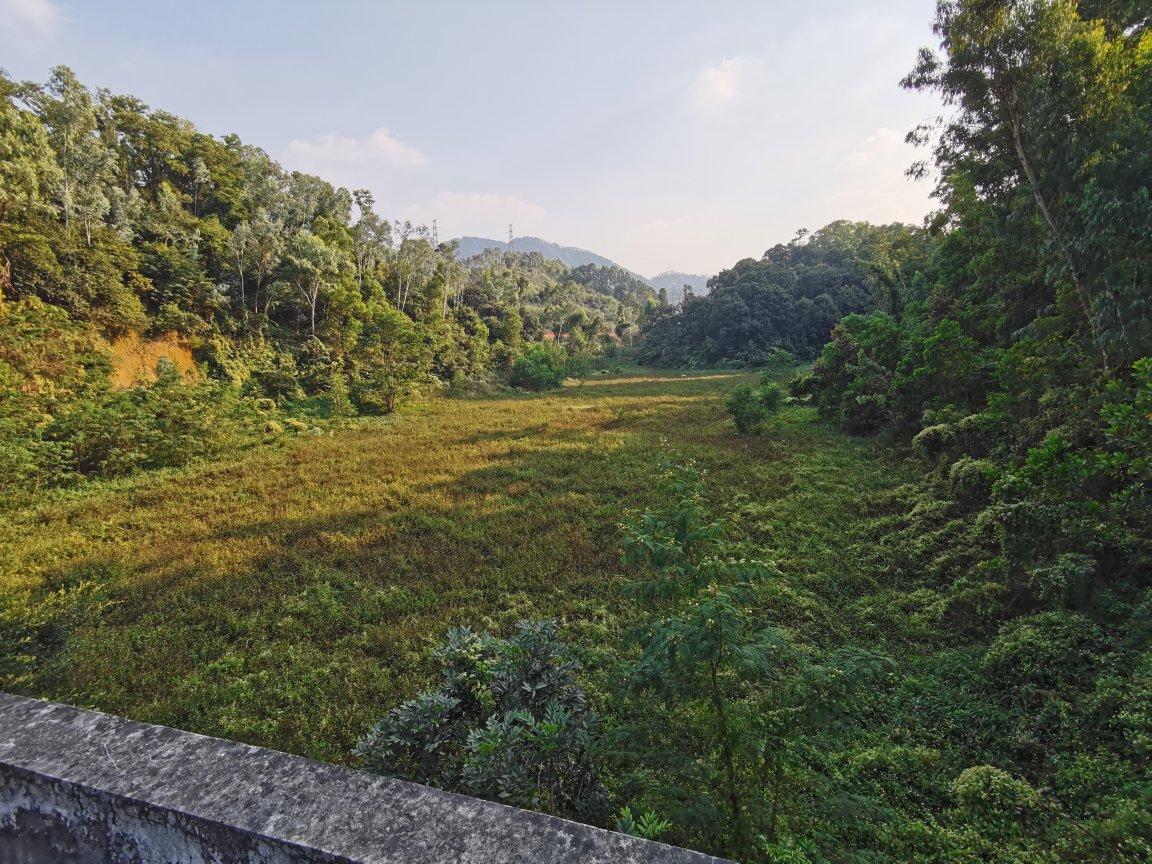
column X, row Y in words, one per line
column 339, row 402
column 753, row 701
column 790, row 298
column 314, row 266
column 69, row 115
column 413, row 259
column 1052, row 107
column 372, row 236
column 540, row 367
column 27, row 167
column 390, row 360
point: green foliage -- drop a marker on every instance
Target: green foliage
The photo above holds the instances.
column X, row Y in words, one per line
column 1008, row 342
column 752, row 408
column 390, row 361
column 540, row 367
column 161, row 425
column 760, row 311
column 737, row 686
column 648, row 825
column 509, row 722
column 132, row 223
column 339, row 402
column 995, row 802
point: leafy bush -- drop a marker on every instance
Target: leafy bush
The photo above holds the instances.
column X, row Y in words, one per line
column 751, row 408
column 509, row 722
column 542, row 366
column 1050, row 649
column 161, row 425
column 994, row 800
column 339, row 402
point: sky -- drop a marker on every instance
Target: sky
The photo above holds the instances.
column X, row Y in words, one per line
column 665, row 135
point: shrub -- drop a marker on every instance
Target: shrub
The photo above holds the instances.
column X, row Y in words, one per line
column 994, row 800
column 777, row 360
column 1050, row 649
column 578, row 366
column 540, row 367
column 934, row 440
column 971, row 480
column 165, row 424
column 339, row 402
column 509, row 722
column 751, row 408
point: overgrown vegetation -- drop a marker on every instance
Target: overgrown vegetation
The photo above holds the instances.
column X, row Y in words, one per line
column 509, row 722
column 914, row 623
column 789, row 299
column 752, row 408
column 117, row 219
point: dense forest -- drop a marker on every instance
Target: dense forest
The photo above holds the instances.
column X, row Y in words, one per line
column 897, row 606
column 790, row 298
column 118, row 220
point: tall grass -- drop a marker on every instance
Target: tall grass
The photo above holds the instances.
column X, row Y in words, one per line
column 287, row 596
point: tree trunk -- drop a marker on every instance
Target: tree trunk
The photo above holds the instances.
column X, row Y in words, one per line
column 1053, row 226
column 243, row 296
column 726, row 755
column 5, row 264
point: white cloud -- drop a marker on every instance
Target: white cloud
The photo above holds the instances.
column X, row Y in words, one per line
column 486, row 214
column 873, row 184
column 378, row 148
column 722, row 83
column 29, row 18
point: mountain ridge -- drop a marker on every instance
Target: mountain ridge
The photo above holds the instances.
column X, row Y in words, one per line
column 575, row 256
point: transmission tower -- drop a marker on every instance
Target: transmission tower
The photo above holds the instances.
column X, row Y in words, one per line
column 509, row 236
column 435, row 235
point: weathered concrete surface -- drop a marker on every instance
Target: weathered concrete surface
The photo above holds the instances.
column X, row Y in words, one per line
column 79, row 787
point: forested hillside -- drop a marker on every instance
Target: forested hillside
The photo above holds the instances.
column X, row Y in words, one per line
column 789, row 299
column 118, row 220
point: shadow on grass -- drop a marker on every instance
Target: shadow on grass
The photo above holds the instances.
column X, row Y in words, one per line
column 298, row 630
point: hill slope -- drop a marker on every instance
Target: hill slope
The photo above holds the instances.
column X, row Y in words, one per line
column 572, row 256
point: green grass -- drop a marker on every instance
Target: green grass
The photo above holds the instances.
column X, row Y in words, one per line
column 289, row 597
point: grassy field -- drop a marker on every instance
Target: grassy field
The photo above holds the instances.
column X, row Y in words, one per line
column 288, row 597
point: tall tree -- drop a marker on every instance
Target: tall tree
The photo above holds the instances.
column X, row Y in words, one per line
column 314, row 267
column 1053, row 113
column 372, row 236
column 27, row 166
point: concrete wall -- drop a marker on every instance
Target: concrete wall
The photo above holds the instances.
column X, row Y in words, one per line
column 79, row 787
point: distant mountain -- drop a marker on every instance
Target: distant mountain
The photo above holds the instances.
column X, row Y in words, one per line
column 569, row 255
column 573, row 256
column 675, row 283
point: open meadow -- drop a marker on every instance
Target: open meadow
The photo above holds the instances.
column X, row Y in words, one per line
column 289, row 595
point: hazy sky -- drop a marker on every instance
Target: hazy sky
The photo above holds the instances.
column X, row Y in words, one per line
column 665, row 135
